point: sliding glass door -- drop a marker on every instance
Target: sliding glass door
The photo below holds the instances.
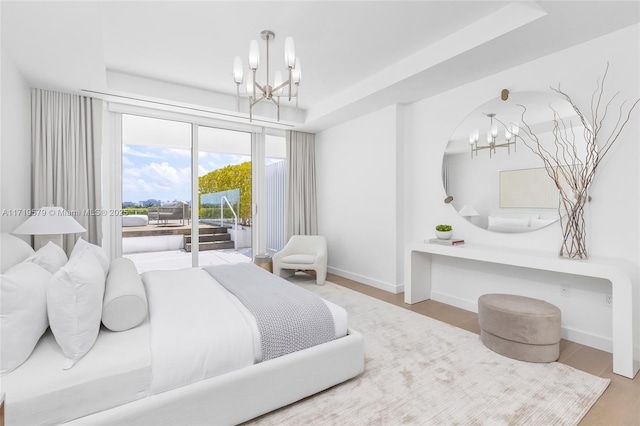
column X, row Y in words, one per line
column 224, row 192
column 156, row 191
column 189, row 195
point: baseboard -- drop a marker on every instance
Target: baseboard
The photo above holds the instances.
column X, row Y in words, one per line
column 572, row 334
column 391, row 288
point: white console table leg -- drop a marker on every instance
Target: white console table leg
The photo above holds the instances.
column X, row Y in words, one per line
column 418, row 269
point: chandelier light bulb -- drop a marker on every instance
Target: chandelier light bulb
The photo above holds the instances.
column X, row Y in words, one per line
column 254, row 55
column 296, row 73
column 289, row 53
column 474, row 136
column 250, row 88
column 238, row 71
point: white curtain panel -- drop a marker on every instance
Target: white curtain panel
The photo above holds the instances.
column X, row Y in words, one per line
column 301, row 189
column 66, row 140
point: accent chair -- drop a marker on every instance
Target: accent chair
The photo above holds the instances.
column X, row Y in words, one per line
column 303, row 253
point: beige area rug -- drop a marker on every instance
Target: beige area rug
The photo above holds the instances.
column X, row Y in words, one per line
column 421, row 371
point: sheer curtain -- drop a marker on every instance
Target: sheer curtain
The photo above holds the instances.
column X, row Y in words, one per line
column 301, row 189
column 66, row 141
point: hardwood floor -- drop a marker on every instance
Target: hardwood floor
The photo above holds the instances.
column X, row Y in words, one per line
column 620, row 403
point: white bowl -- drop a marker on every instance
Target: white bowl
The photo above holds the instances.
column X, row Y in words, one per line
column 444, row 235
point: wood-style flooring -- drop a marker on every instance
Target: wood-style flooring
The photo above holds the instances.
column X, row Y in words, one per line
column 620, row 403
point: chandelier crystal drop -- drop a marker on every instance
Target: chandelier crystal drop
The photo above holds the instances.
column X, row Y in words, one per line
column 273, row 92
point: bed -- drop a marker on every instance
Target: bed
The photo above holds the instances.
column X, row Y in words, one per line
column 161, row 371
column 509, row 222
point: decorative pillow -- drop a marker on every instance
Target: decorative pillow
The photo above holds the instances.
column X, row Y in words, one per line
column 23, row 312
column 515, row 215
column 99, row 253
column 13, row 250
column 74, row 304
column 504, row 225
column 512, row 222
column 51, row 257
column 125, row 300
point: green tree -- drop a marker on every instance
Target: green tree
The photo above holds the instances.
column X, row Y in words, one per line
column 227, row 178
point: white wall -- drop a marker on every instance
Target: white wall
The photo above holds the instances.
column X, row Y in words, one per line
column 356, row 168
column 357, row 197
column 15, row 146
column 615, row 191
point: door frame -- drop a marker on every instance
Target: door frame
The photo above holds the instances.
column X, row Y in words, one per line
column 112, row 169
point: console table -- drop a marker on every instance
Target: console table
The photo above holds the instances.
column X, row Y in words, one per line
column 622, row 275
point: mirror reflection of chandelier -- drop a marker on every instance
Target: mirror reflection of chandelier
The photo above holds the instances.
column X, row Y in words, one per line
column 271, row 92
column 510, row 136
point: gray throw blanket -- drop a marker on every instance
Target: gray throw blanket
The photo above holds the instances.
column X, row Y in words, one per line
column 289, row 318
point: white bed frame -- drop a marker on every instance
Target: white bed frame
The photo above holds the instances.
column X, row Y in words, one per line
column 247, row 393
column 237, row 396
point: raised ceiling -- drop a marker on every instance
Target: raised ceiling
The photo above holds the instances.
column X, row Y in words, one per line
column 358, row 55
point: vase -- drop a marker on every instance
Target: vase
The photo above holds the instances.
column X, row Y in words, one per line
column 444, row 235
column 573, row 225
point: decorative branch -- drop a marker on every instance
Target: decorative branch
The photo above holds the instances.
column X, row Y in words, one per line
column 571, row 168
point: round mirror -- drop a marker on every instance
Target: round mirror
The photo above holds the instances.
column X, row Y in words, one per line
column 495, row 180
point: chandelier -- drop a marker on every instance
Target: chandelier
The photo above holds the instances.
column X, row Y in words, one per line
column 268, row 91
column 510, row 136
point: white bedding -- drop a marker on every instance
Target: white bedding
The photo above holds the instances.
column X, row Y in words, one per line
column 167, row 351
column 197, row 328
column 116, row 370
column 180, row 354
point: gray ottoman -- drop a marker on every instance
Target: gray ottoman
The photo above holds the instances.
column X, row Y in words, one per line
column 520, row 327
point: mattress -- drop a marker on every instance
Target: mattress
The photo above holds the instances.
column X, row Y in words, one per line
column 116, row 370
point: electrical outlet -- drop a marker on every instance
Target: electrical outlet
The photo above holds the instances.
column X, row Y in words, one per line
column 565, row 290
column 608, row 299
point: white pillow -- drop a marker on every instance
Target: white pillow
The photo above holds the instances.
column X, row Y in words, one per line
column 99, row 253
column 23, row 312
column 13, row 250
column 125, row 299
column 74, row 304
column 51, row 257
column 512, row 222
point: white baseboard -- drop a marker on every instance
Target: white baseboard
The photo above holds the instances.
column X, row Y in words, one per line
column 391, row 288
column 577, row 336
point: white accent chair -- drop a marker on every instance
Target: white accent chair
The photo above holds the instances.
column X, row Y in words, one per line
column 303, row 253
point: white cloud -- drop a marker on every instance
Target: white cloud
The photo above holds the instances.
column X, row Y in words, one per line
column 156, row 180
column 129, row 150
column 172, row 152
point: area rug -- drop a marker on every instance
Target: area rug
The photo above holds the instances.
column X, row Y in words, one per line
column 424, row 372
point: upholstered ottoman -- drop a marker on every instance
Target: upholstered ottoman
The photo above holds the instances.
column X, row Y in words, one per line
column 135, row 220
column 520, row 327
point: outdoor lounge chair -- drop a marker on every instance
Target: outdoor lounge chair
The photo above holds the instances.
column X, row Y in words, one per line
column 178, row 210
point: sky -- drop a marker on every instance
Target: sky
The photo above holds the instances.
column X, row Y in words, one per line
column 164, row 174
column 156, row 156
